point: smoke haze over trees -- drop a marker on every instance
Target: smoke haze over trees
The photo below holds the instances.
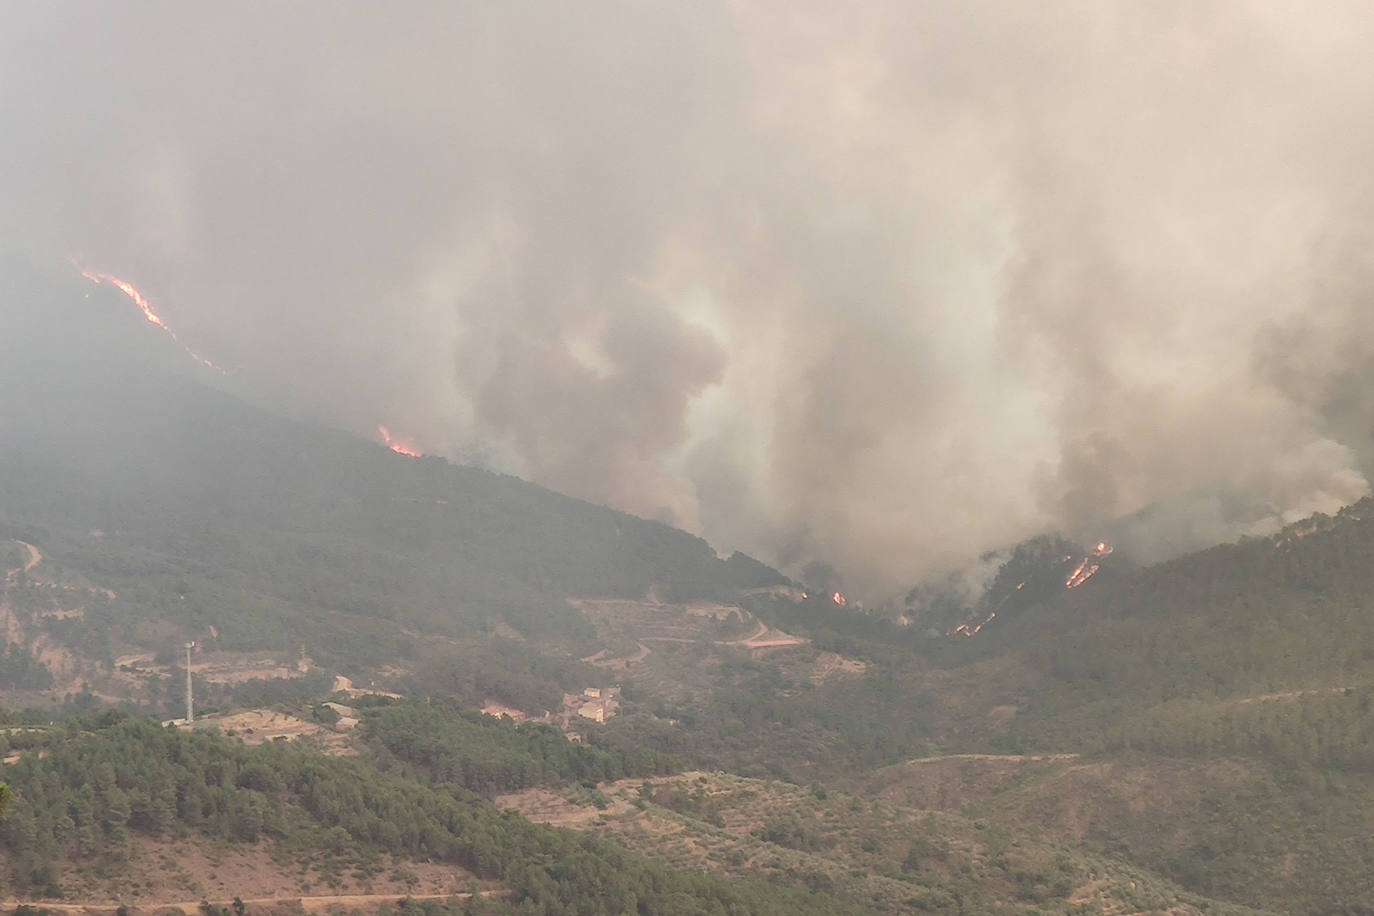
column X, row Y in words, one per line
column 799, row 279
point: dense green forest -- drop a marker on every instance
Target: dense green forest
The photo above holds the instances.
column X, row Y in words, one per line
column 106, row 777
column 443, row 744
column 20, row 670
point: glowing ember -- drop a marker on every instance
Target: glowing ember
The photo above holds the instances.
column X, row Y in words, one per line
column 146, row 307
column 972, row 629
column 838, row 599
column 1088, row 568
column 399, row 446
column 1297, row 535
column 1082, row 574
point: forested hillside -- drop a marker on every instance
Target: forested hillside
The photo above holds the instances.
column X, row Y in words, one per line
column 195, row 510
column 101, row 780
column 1187, row 736
column 1218, row 707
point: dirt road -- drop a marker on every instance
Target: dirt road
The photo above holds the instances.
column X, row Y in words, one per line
column 1290, row 695
column 1007, row 757
column 309, row 904
column 33, row 559
column 600, row 660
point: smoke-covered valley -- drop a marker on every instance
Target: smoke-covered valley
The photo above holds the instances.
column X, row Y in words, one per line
column 887, row 288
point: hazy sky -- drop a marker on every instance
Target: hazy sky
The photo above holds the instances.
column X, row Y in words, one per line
column 883, row 284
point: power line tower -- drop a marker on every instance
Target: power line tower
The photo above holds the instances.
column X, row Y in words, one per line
column 190, row 709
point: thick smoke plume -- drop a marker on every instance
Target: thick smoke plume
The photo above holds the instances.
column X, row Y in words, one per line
column 885, row 286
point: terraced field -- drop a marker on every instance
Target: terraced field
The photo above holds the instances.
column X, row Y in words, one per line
column 891, row 856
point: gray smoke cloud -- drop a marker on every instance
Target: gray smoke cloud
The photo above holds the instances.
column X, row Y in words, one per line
column 886, row 286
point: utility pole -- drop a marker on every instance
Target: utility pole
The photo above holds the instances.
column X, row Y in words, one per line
column 190, row 710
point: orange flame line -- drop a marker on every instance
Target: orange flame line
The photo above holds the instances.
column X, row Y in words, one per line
column 1081, row 573
column 399, row 447
column 146, row 307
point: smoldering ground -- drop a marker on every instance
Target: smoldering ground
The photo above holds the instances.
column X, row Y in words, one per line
column 887, row 285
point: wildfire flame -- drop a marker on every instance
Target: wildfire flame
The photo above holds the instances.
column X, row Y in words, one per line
column 1088, row 568
column 838, row 599
column 1081, row 573
column 399, row 446
column 1297, row 534
column 146, row 307
column 972, row 629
